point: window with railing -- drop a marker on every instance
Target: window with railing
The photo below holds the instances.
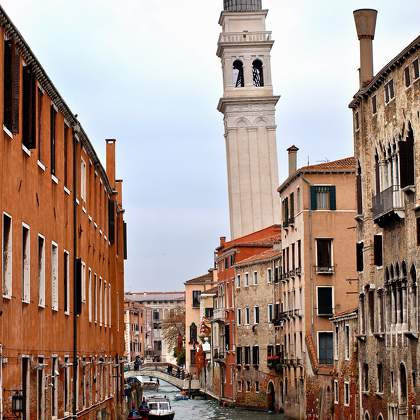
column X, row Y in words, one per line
column 324, row 261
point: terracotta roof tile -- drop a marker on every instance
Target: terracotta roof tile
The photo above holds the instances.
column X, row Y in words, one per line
column 263, row 256
column 341, row 164
column 205, row 278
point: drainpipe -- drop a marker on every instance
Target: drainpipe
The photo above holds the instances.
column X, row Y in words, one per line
column 75, row 359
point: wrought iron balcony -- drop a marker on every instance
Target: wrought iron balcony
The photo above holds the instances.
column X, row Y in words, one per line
column 388, row 206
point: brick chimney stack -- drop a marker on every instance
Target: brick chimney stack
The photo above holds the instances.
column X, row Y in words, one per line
column 292, row 159
column 110, row 161
column 365, row 20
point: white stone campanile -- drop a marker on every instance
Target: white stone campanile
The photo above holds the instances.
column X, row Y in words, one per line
column 248, row 106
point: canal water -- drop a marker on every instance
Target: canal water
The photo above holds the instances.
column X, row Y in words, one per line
column 200, row 409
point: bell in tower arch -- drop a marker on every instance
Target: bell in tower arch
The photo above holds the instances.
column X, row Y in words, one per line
column 242, row 5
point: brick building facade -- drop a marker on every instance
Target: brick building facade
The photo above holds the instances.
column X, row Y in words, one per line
column 63, row 250
column 386, row 133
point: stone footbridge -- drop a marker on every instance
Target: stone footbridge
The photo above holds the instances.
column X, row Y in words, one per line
column 160, row 371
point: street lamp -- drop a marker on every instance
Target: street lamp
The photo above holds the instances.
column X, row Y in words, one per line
column 17, row 403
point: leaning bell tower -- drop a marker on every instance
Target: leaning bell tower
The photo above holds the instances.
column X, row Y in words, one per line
column 248, row 106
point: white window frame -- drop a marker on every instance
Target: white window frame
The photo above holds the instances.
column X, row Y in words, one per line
column 90, row 294
column 105, row 304
column 109, row 305
column 41, row 273
column 95, row 295
column 256, row 307
column 336, row 392
column 246, row 280
column 270, row 313
column 100, row 301
column 83, row 170
column 83, row 281
column 332, row 251
column 255, row 278
column 318, row 334
column 332, row 299
column 54, row 276
column 67, row 256
column 247, row 316
column 347, row 344
column 26, row 265
column 346, row 395
column 238, row 316
column 269, row 275
column 7, row 274
column 238, row 281
column 386, row 87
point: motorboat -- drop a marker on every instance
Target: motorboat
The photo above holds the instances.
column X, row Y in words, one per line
column 181, row 397
column 160, row 408
column 150, row 384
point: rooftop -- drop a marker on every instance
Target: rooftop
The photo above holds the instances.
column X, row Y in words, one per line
column 154, row 296
column 205, row 278
column 346, row 165
column 262, row 257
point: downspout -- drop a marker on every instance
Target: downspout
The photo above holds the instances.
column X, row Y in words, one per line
column 75, row 303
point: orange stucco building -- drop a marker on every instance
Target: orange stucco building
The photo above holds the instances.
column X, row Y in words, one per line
column 63, row 250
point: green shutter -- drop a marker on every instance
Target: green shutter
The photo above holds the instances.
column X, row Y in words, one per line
column 313, row 198
column 332, row 198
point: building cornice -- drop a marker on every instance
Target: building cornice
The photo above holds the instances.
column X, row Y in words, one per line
column 224, row 102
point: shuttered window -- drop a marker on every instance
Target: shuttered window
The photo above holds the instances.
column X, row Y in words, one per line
column 54, row 277
column 66, row 283
column 29, row 109
column 407, row 167
column 41, row 271
column 111, row 221
column 359, row 256
column 377, row 247
column 53, row 118
column 11, row 86
column 7, row 256
column 325, row 301
column 325, row 349
column 26, row 264
column 90, row 295
column 323, row 197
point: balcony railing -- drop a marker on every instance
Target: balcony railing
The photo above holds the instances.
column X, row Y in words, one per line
column 324, row 269
column 218, row 354
column 388, row 204
column 235, row 37
column 219, row 314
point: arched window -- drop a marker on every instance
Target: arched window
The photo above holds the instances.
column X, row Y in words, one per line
column 257, row 73
column 359, row 191
column 193, row 333
column 238, row 73
column 380, row 417
column 403, row 385
column 407, row 164
column 367, row 417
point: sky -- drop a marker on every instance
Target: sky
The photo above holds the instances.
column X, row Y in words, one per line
column 147, row 74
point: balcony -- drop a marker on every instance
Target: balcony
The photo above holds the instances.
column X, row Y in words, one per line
column 218, row 355
column 219, row 314
column 281, row 317
column 275, row 362
column 388, row 206
column 324, row 269
column 239, row 37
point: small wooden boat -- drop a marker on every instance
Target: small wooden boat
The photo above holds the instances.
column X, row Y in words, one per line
column 181, row 397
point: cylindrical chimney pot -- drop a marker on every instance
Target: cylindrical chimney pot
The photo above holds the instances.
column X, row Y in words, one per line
column 365, row 20
column 292, row 150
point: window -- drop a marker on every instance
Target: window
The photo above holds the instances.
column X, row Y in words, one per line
column 380, row 377
column 325, row 348
column 407, row 78
column 248, row 386
column 29, row 108
column 7, row 256
column 257, row 386
column 325, row 300
column 336, row 347
column 106, row 305
column 365, row 377
column 299, row 251
column 374, row 105
column 53, row 118
column 90, row 295
column 26, row 387
column 247, row 316
column 239, row 386
column 406, row 158
column 336, row 393
column 208, row 312
column 193, row 353
column 40, row 123
column 371, row 303
column 227, row 337
column 196, row 298
column 377, row 247
column 323, row 197
column 381, row 310
column 83, row 186
column 238, row 281
column 270, row 350
column 416, row 72
column 270, row 312
column 403, row 385
column 26, row 264
column 324, row 256
column 347, row 342
column 269, row 275
column 40, row 387
column 95, row 298
column 257, row 73
column 246, row 279
column 389, row 91
column 239, row 316
column 359, row 256
column 255, row 277
column 54, row 382
column 247, row 355
column 41, row 271
column 11, row 87
column 83, row 282
column 256, row 315
column 66, row 283
column 346, row 393
column 238, row 74
column 109, row 305
column 193, row 333
column 356, row 121
column 238, row 355
column 54, row 276
column 255, row 355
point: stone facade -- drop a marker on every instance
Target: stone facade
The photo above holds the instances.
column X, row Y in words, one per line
column 318, row 279
column 257, row 382
column 386, row 134
column 63, row 249
column 133, row 334
column 248, row 106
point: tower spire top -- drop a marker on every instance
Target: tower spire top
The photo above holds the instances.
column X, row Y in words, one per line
column 242, row 5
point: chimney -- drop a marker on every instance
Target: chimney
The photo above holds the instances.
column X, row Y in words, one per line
column 365, row 20
column 110, row 161
column 222, row 240
column 292, row 159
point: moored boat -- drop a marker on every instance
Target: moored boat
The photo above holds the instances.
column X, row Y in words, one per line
column 160, row 408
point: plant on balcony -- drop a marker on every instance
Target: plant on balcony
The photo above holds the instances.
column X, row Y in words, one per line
column 272, row 361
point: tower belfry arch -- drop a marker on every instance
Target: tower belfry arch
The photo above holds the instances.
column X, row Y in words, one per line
column 248, row 105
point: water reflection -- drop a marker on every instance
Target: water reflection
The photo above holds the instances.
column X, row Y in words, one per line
column 207, row 409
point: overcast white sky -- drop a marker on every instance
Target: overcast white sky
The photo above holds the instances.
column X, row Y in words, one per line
column 146, row 73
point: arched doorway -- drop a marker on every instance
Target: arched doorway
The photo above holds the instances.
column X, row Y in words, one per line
column 271, row 397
